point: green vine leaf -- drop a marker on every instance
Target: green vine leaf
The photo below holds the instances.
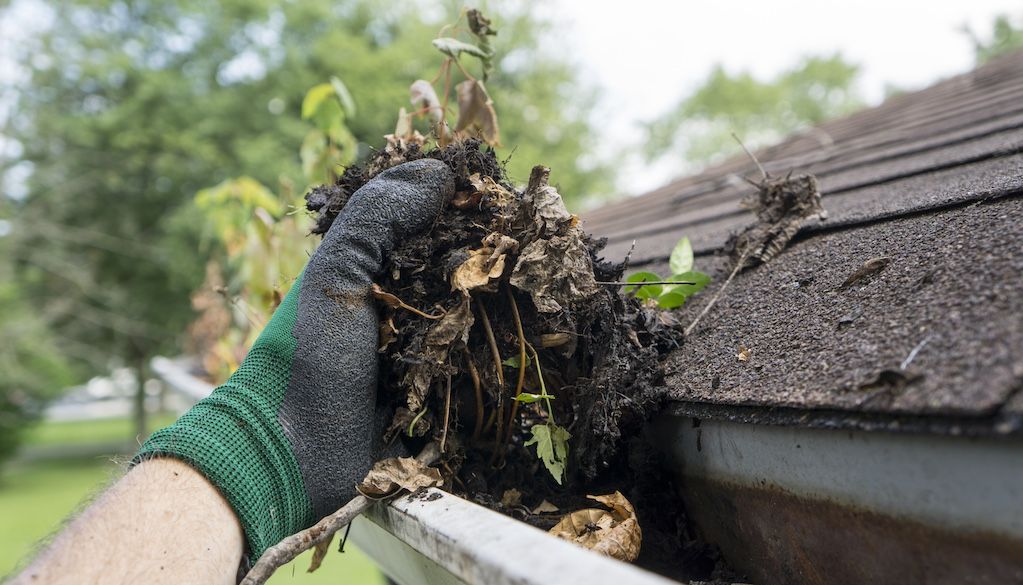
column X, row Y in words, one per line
column 651, row 291
column 551, row 443
column 681, row 257
column 513, row 362
column 529, row 398
column 454, row 47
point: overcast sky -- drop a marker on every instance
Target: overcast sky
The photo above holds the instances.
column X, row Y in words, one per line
column 645, row 55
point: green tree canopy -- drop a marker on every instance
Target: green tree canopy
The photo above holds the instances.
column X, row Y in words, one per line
column 759, row 112
column 1006, row 36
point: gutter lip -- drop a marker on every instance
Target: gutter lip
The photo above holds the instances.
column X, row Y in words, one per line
column 1000, row 424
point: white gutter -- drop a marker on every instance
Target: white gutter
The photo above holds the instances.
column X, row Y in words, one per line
column 435, row 538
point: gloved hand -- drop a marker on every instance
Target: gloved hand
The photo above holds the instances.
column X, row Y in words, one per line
column 288, row 436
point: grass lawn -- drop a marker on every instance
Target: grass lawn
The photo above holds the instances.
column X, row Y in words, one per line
column 36, row 495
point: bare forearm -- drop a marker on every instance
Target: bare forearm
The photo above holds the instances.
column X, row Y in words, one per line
column 161, row 523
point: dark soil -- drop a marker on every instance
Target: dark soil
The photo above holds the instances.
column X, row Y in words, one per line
column 600, row 354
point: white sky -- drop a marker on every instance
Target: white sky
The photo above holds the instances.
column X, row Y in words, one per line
column 645, row 55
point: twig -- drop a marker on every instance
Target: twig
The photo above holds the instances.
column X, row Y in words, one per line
column 717, row 295
column 447, row 414
column 496, row 353
column 475, row 375
column 288, row 549
column 641, row 283
column 522, row 365
column 763, row 173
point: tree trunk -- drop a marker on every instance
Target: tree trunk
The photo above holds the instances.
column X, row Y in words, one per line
column 139, row 414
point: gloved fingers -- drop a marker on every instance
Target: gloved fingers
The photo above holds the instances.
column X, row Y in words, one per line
column 398, row 203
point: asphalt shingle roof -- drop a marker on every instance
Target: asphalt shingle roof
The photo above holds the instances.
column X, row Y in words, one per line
column 931, row 180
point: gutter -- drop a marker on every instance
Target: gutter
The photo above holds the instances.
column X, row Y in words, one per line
column 811, row 506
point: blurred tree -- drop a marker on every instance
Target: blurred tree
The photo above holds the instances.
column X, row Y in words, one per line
column 1006, row 36
column 758, row 112
column 130, row 107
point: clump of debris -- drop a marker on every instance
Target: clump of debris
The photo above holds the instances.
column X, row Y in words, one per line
column 504, row 339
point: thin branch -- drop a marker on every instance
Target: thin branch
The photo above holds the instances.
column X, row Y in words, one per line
column 641, row 283
column 475, row 375
column 763, row 173
column 522, row 365
column 447, row 414
column 717, row 295
column 288, row 549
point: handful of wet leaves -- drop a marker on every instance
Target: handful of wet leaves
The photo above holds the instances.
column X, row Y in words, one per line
column 499, row 342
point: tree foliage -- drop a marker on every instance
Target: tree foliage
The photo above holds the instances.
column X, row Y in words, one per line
column 128, row 109
column 759, row 112
column 1006, row 36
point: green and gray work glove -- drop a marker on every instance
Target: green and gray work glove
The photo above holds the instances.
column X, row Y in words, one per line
column 288, row 436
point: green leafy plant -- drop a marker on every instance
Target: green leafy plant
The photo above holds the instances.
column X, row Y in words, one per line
column 476, row 117
column 550, row 438
column 673, row 292
column 329, row 145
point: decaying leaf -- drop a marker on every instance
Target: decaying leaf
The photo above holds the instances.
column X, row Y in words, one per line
column 484, row 265
column 555, row 268
column 549, row 208
column 389, row 476
column 744, row 353
column 551, row 443
column 615, row 533
column 511, row 497
column 423, row 96
column 781, row 205
column 489, row 188
column 451, row 329
column 388, row 333
column 545, row 507
column 476, row 110
column 319, row 553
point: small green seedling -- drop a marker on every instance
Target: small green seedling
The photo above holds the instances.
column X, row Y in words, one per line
column 684, row 282
column 550, row 438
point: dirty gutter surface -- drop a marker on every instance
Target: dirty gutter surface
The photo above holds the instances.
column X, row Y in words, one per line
column 807, row 506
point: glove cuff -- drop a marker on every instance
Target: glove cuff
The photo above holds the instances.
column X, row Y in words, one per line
column 234, row 438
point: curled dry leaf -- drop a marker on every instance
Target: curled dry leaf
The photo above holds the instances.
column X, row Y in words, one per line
column 744, row 353
column 476, row 110
column 398, row 473
column 614, row 533
column 555, row 269
column 545, row 507
column 491, row 189
column 423, row 96
column 484, row 265
column 319, row 553
column 388, row 333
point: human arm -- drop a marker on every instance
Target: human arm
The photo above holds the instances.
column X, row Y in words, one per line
column 162, row 523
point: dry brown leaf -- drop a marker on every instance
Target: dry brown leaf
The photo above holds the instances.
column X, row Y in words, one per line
column 511, row 497
column 491, row 189
column 545, row 507
column 319, row 553
column 388, row 333
column 614, row 533
column 476, row 110
column 744, row 353
column 548, row 207
column 423, row 96
column 554, row 339
column 478, row 270
column 398, row 473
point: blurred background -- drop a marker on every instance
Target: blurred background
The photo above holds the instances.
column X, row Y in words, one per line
column 154, row 156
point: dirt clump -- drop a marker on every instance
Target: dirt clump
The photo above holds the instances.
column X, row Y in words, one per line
column 499, row 341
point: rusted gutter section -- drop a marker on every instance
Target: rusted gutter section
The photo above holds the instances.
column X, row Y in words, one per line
column 435, row 538
column 813, row 506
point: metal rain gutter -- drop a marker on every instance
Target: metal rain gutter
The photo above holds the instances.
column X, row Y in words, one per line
column 435, row 538
column 807, row 506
